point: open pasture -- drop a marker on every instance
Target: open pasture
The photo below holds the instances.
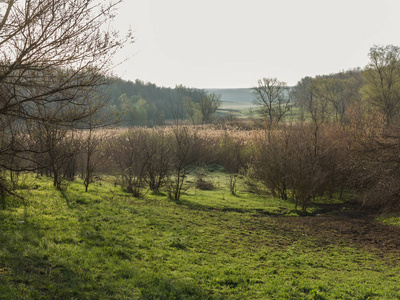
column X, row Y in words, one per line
column 105, row 244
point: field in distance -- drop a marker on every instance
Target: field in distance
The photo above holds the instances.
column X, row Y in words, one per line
column 235, row 99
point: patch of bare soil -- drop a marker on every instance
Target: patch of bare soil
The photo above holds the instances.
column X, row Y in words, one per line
column 350, row 226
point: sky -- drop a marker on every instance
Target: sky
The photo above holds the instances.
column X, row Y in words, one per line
column 234, row 43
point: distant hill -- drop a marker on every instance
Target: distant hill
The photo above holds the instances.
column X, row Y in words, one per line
column 235, row 99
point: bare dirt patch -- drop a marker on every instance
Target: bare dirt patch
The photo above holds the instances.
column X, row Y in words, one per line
column 350, row 226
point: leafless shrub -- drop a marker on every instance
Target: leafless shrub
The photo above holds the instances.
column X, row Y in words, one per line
column 375, row 167
column 158, row 154
column 233, row 157
column 129, row 160
column 94, row 156
column 189, row 149
column 292, row 163
column 55, row 149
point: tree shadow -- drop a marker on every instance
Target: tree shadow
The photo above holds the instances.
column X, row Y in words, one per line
column 33, row 265
column 27, row 268
column 67, row 200
column 207, row 208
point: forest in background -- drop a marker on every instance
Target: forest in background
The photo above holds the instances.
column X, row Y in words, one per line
column 136, row 103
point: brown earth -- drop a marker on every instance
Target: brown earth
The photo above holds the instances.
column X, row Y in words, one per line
column 338, row 225
column 350, row 226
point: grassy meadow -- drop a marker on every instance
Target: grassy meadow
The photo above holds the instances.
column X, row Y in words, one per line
column 105, row 244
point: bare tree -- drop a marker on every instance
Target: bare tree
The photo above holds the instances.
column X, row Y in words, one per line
column 93, row 140
column 274, row 98
column 158, row 154
column 55, row 55
column 208, row 106
column 375, row 167
column 269, row 164
column 232, row 157
column 54, row 146
column 382, row 77
column 53, row 51
column 191, row 109
column 129, row 159
column 189, row 150
column 94, row 154
column 177, row 110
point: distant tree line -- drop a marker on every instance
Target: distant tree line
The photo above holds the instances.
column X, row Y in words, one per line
column 146, row 104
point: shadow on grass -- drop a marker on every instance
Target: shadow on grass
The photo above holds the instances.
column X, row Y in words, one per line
column 67, row 200
column 154, row 287
column 351, row 208
column 27, row 271
column 34, row 266
column 208, row 208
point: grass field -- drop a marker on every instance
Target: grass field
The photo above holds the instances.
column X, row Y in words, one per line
column 105, row 244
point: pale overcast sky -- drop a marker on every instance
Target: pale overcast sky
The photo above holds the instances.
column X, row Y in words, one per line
column 232, row 44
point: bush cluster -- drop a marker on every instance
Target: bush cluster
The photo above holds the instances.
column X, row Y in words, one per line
column 293, row 161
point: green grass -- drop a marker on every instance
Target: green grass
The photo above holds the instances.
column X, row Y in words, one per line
column 107, row 245
column 390, row 219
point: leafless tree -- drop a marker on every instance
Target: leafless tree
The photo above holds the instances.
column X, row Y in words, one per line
column 232, row 157
column 54, row 146
column 53, row 51
column 375, row 167
column 55, row 54
column 208, row 106
column 189, row 150
column 190, row 108
column 274, row 98
column 289, row 165
column 129, row 159
column 93, row 140
column 305, row 168
column 269, row 164
column 382, row 81
column 94, row 154
column 158, row 154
